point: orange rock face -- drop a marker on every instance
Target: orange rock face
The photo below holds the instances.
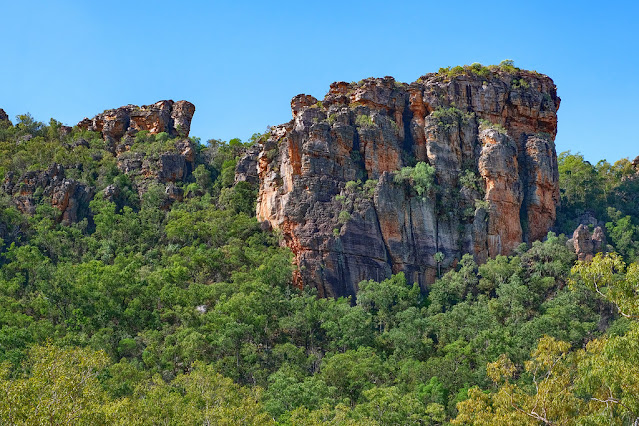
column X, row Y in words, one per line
column 499, row 169
column 171, row 117
column 330, row 181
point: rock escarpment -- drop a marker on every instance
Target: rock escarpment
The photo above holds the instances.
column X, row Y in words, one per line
column 331, row 180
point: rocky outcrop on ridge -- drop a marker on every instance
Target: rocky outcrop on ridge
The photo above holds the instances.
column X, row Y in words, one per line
column 145, row 159
column 119, row 127
column 167, row 116
column 586, row 244
column 69, row 196
column 170, row 166
column 331, row 180
column 4, row 116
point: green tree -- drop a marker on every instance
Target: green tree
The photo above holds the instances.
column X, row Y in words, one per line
column 57, row 386
column 384, row 299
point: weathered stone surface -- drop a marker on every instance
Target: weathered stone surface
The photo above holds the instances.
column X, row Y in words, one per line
column 246, row 169
column 171, row 117
column 542, row 194
column 182, row 113
column 4, row 116
column 489, row 139
column 67, row 195
column 170, row 166
column 499, row 168
column 585, row 244
column 173, row 194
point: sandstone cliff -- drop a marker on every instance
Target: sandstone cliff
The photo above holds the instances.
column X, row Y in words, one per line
column 331, row 178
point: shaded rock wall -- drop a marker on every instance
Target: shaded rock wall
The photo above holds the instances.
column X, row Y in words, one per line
column 490, row 139
column 69, row 196
column 4, row 116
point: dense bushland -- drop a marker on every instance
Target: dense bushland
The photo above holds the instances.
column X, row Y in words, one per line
column 186, row 314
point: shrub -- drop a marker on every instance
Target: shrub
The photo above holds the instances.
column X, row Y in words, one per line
column 482, row 204
column 352, row 186
column 485, row 124
column 475, row 68
column 451, row 117
column 369, row 187
column 421, row 177
column 365, row 121
column 508, row 65
column 469, row 180
column 479, row 70
column 259, row 137
column 519, row 84
column 343, row 217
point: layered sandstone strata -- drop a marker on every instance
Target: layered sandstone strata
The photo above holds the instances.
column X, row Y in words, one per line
column 330, row 178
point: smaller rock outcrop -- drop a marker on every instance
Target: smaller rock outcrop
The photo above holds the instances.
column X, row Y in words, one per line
column 246, row 169
column 586, row 244
column 4, row 116
column 171, row 117
column 170, row 166
column 69, row 196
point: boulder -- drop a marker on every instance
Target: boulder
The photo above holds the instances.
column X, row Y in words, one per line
column 586, row 244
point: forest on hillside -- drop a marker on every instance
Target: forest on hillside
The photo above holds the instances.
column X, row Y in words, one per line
column 160, row 310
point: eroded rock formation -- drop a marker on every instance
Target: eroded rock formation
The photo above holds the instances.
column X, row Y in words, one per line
column 586, row 244
column 489, row 137
column 172, row 163
column 169, row 166
column 171, row 117
column 119, row 126
column 69, row 196
column 4, row 116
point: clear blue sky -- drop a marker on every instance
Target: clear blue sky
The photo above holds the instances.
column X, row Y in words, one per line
column 240, row 63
